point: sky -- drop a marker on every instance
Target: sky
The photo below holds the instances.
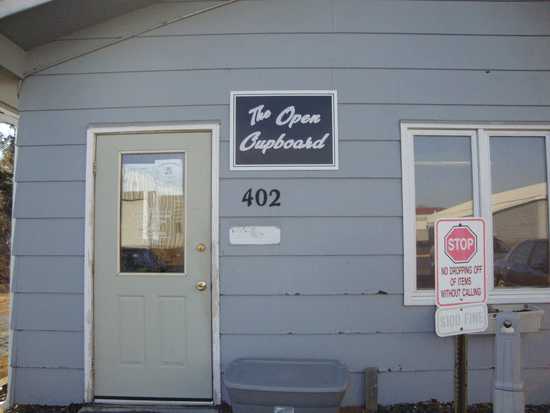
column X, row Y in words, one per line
column 4, row 128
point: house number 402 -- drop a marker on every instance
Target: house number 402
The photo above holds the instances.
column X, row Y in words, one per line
column 262, row 197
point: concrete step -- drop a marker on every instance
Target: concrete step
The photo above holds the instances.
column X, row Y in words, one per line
column 150, row 408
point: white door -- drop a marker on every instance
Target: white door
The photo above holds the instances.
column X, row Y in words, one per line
column 152, row 266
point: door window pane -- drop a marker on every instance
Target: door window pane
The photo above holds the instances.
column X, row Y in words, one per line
column 519, row 204
column 152, row 218
column 443, row 187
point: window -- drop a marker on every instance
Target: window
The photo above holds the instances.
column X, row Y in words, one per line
column 152, row 214
column 499, row 172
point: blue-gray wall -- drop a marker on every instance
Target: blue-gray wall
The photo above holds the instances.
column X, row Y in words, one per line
column 318, row 293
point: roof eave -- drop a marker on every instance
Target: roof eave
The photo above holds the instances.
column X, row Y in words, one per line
column 9, row 7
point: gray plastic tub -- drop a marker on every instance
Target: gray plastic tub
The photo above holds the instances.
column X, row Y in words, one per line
column 286, row 386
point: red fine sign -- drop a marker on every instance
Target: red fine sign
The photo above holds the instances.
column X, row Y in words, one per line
column 460, row 244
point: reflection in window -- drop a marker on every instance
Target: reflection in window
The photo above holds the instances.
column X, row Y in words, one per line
column 443, row 177
column 519, row 205
column 152, row 218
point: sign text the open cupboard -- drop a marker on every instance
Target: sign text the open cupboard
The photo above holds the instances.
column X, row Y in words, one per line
column 284, row 130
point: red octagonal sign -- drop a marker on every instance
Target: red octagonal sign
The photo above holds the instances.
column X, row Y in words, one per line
column 460, row 244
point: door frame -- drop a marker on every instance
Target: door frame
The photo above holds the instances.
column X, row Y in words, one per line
column 91, row 137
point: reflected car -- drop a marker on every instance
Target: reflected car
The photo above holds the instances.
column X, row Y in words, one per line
column 140, row 260
column 525, row 265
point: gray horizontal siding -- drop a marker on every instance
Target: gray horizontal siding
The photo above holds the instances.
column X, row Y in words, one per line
column 44, row 128
column 385, row 351
column 58, row 128
column 49, row 199
column 51, row 312
column 324, row 50
column 59, row 163
column 48, row 386
column 331, row 197
column 475, row 17
column 364, row 197
column 302, row 236
column 212, row 87
column 369, row 159
column 321, row 236
column 275, row 275
column 49, row 349
column 52, row 274
column 49, row 237
column 409, row 387
column 322, row 315
column 333, row 287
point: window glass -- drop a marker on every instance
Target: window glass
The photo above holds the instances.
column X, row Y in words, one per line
column 519, row 205
column 152, row 218
column 441, row 163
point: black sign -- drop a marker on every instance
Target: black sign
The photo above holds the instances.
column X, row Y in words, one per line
column 284, row 130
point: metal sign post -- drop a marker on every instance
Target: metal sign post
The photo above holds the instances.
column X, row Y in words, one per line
column 460, row 263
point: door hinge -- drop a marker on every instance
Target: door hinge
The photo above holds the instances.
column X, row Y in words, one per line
column 94, row 168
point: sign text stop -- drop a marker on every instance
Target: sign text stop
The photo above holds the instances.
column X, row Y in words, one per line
column 460, row 244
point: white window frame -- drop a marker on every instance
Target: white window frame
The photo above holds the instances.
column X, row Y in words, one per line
column 480, row 134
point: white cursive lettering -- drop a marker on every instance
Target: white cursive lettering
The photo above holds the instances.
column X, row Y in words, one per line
column 253, row 141
column 289, row 117
column 258, row 114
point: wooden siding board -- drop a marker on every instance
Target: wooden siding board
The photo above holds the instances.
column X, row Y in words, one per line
column 212, row 87
column 302, row 236
column 53, row 163
column 49, row 349
column 323, row 50
column 253, row 17
column 49, row 200
column 69, row 127
column 49, row 237
column 64, row 127
column 383, row 351
column 472, row 17
column 138, row 19
column 48, row 386
column 369, row 159
column 537, row 385
column 54, row 274
column 321, row 236
column 52, row 312
column 317, row 315
column 261, row 275
column 364, row 197
column 331, row 197
column 409, row 387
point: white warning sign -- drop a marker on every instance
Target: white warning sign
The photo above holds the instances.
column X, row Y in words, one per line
column 460, row 262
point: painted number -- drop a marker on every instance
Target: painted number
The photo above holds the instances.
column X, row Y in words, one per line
column 262, row 197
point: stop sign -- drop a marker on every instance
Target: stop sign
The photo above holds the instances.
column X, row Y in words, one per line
column 460, row 244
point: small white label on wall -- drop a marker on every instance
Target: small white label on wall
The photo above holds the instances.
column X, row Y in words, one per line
column 278, row 409
column 254, row 235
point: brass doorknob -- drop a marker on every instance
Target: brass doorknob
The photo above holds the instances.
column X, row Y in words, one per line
column 201, row 247
column 201, row 286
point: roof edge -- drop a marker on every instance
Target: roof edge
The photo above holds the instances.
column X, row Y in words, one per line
column 9, row 7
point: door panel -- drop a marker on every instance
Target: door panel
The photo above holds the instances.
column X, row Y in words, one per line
column 152, row 327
